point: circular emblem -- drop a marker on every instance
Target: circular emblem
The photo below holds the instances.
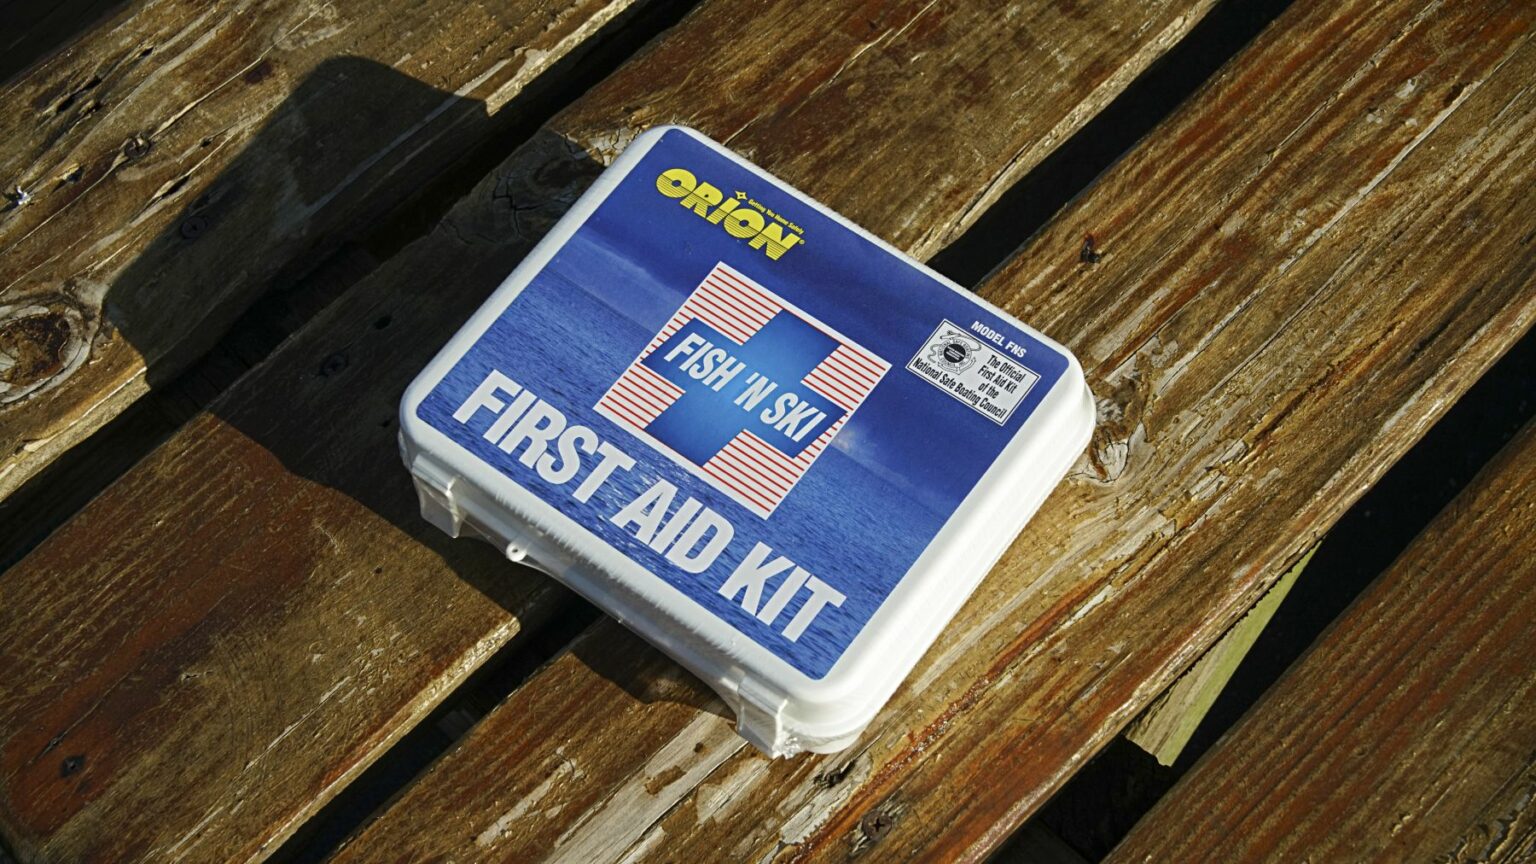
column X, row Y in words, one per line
column 955, row 352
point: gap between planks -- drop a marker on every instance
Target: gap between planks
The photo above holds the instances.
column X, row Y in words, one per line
column 1406, row 733
column 1167, row 724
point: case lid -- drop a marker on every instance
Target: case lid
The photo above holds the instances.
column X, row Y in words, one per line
column 767, row 441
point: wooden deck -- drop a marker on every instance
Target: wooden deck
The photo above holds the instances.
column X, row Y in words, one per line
column 1275, row 294
column 1407, row 733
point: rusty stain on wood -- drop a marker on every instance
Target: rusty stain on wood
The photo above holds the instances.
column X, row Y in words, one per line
column 1311, row 261
column 1408, row 731
column 249, row 547
column 274, row 129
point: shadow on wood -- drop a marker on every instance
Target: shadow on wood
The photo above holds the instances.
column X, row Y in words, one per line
column 78, row 723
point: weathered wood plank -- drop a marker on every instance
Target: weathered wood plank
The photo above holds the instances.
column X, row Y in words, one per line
column 1167, row 724
column 177, row 163
column 1300, row 270
column 259, row 604
column 1405, row 727
column 1503, row 830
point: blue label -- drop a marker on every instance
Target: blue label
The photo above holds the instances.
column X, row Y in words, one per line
column 728, row 391
column 758, row 405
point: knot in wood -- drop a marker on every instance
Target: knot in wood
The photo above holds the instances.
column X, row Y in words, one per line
column 41, row 342
column 1119, row 407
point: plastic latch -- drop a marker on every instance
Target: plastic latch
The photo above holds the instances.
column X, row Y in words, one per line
column 759, row 717
column 434, row 489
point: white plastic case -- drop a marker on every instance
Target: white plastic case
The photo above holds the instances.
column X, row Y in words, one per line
column 755, row 434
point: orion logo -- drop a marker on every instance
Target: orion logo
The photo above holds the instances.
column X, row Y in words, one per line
column 743, row 389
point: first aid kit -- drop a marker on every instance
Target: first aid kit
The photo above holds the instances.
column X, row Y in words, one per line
column 758, row 436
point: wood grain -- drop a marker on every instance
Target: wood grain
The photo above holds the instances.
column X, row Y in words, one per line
column 258, row 604
column 1300, row 271
column 1408, row 730
column 183, row 158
